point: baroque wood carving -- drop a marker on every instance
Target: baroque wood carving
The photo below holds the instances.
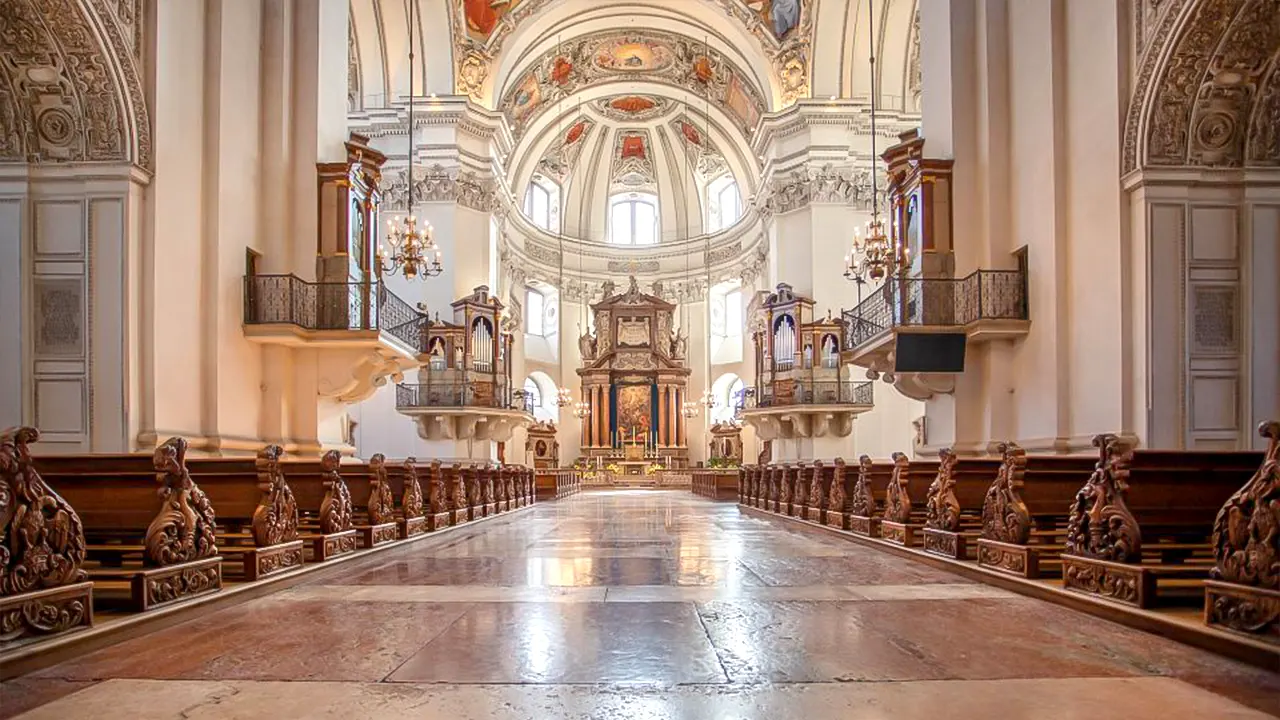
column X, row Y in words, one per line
column 1005, row 517
column 1246, row 532
column 275, row 520
column 411, row 500
column 335, row 509
column 817, row 496
column 942, row 508
column 41, row 538
column 185, row 528
column 897, row 503
column 1100, row 525
column 437, row 493
column 382, row 505
column 864, row 502
column 458, row 492
column 784, row 489
column 837, row 498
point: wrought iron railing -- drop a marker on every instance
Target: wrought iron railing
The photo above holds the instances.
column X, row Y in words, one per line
column 458, row 395
column 812, row 392
column 290, row 300
column 935, row 302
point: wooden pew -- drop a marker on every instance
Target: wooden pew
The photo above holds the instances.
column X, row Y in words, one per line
column 746, row 480
column 373, row 506
column 871, row 483
column 257, row 512
column 324, row 501
column 819, row 492
column 953, row 507
column 1141, row 525
column 1244, row 592
column 1024, row 513
column 839, row 494
column 800, row 490
column 43, row 590
column 459, row 502
column 776, row 476
column 904, row 515
column 786, row 483
column 411, row 518
column 152, row 551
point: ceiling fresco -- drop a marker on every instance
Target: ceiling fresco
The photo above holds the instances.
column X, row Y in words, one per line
column 613, row 56
column 783, row 28
column 628, row 108
column 561, row 156
column 633, row 168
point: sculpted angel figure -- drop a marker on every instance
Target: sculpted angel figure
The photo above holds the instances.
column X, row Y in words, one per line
column 587, row 345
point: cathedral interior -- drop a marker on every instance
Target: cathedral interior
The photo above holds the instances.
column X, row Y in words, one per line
column 640, row 358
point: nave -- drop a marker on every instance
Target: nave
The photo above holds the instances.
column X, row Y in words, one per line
column 642, row 604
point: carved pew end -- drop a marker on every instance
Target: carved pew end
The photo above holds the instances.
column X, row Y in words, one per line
column 1126, row 583
column 154, row 587
column 834, row 519
column 260, row 562
column 1247, row 609
column 906, row 534
column 46, row 612
column 954, row 545
column 327, row 546
column 865, row 526
column 380, row 534
column 1019, row 560
column 411, row 527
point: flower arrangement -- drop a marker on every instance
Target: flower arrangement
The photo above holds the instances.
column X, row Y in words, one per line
column 652, row 468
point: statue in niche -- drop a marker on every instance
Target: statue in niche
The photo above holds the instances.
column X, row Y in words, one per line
column 587, row 345
column 679, row 344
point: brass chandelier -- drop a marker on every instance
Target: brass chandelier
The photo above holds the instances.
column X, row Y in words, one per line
column 414, row 252
column 874, row 255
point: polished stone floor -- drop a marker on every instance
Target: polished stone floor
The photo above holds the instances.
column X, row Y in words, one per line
column 643, row 604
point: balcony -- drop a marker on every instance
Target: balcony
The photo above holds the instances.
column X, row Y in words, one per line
column 365, row 333
column 791, row 408
column 984, row 306
column 467, row 410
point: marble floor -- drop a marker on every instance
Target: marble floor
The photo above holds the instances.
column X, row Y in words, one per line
column 643, row 604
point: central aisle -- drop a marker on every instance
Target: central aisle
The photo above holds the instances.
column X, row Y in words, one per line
column 643, row 604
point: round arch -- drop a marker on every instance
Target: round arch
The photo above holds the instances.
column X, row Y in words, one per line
column 544, row 406
column 91, row 117
column 1207, row 89
column 727, row 394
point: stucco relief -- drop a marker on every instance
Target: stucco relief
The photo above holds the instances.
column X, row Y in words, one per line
column 1210, row 102
column 828, row 184
column 439, row 184
column 59, row 98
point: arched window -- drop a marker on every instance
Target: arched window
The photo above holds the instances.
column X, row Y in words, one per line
column 724, row 203
column 542, row 391
column 542, row 203
column 830, row 351
column 534, row 308
column 726, row 323
column 727, row 394
column 633, row 219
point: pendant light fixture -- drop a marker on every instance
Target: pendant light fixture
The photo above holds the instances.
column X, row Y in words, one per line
column 874, row 256
column 414, row 252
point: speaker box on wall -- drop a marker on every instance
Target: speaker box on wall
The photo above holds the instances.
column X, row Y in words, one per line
column 929, row 353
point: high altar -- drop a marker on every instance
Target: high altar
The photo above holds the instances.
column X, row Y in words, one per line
column 635, row 379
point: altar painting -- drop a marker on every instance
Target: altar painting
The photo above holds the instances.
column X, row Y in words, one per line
column 633, row 408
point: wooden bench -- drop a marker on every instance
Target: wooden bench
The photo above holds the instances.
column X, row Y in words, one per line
column 1244, row 592
column 819, row 485
column 257, row 512
column 43, row 588
column 870, row 484
column 953, row 506
column 324, row 501
column 145, row 545
column 1139, row 530
column 1024, row 513
column 838, row 511
column 903, row 517
column 800, row 477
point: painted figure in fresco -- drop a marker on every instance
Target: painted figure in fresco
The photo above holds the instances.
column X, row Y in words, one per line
column 785, row 15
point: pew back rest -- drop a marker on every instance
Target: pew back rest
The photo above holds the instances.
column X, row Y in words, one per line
column 1171, row 488
column 1052, row 481
column 110, row 492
